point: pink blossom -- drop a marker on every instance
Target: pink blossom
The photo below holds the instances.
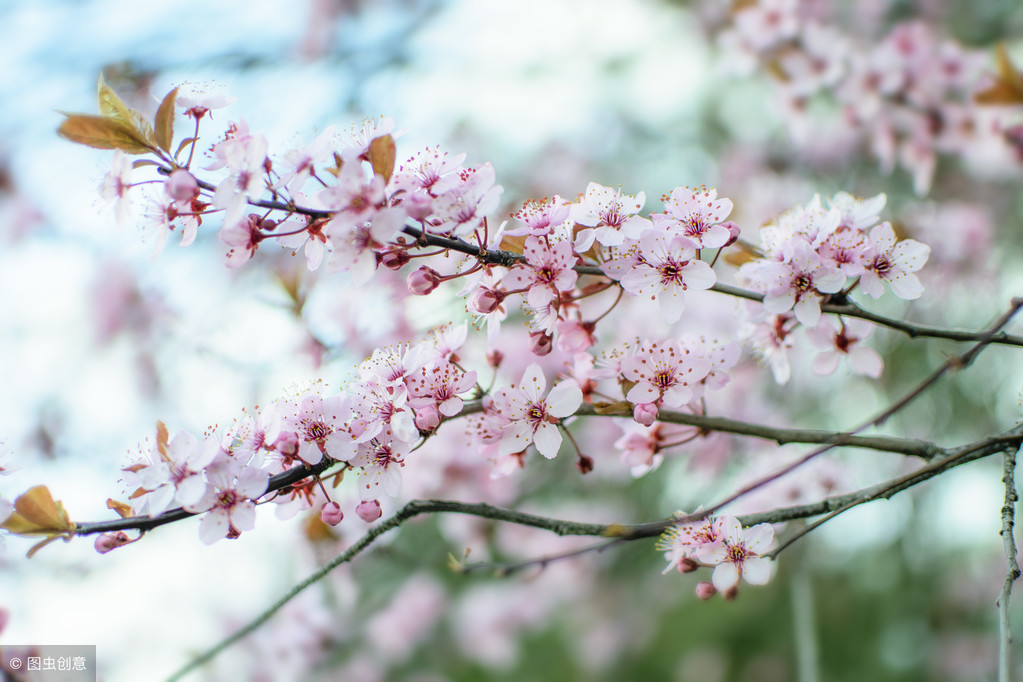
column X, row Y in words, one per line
column 546, row 273
column 428, row 173
column 381, row 459
column 321, row 427
column 682, row 541
column 796, row 285
column 245, row 158
column 115, row 186
column 663, row 372
column 229, row 499
column 697, row 215
column 197, row 99
column 665, row 269
column 540, row 216
column 461, row 209
column 843, row 340
column 894, row 263
column 609, row 215
column 739, row 554
column 532, row 418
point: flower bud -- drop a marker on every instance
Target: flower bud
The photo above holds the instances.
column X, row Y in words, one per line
column 369, row 511
column 423, row 281
column 494, row 358
column 485, row 301
column 733, row 232
column 584, row 463
column 687, row 565
column 705, row 590
column 394, row 260
column 427, row 418
column 181, row 186
column 331, row 513
column 645, row 413
column 541, row 343
column 5, row 616
column 109, row 541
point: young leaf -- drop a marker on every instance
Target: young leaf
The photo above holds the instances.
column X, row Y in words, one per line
column 382, row 154
column 113, row 107
column 110, row 105
column 165, row 121
column 102, row 132
column 1008, row 85
column 36, row 513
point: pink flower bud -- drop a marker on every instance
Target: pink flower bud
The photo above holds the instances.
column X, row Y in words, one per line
column 423, row 281
column 705, row 590
column 584, row 463
column 5, row 616
column 369, row 511
column 419, row 206
column 645, row 413
column 108, row 541
column 541, row 343
column 485, row 301
column 394, row 260
column 733, row 232
column 687, row 565
column 331, row 513
column 427, row 418
column 181, row 186
column 494, row 358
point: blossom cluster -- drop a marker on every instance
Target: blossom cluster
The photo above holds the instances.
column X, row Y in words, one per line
column 820, row 251
column 722, row 543
column 401, row 396
column 911, row 95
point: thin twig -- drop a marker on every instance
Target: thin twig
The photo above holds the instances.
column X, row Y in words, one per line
column 1012, row 572
column 618, row 533
column 958, row 362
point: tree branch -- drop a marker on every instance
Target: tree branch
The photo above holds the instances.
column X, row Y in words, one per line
column 618, row 533
column 509, row 258
column 1012, row 573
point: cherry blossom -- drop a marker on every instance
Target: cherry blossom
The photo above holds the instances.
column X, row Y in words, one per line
column 547, row 272
column 173, row 474
column 461, row 209
column 797, row 285
column 228, row 499
column 664, row 268
column 320, row 425
column 381, row 459
column 532, row 418
column 116, row 185
column 696, row 214
column 609, row 216
column 893, row 263
column 540, row 216
column 664, row 372
column 738, row 555
column 843, row 339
